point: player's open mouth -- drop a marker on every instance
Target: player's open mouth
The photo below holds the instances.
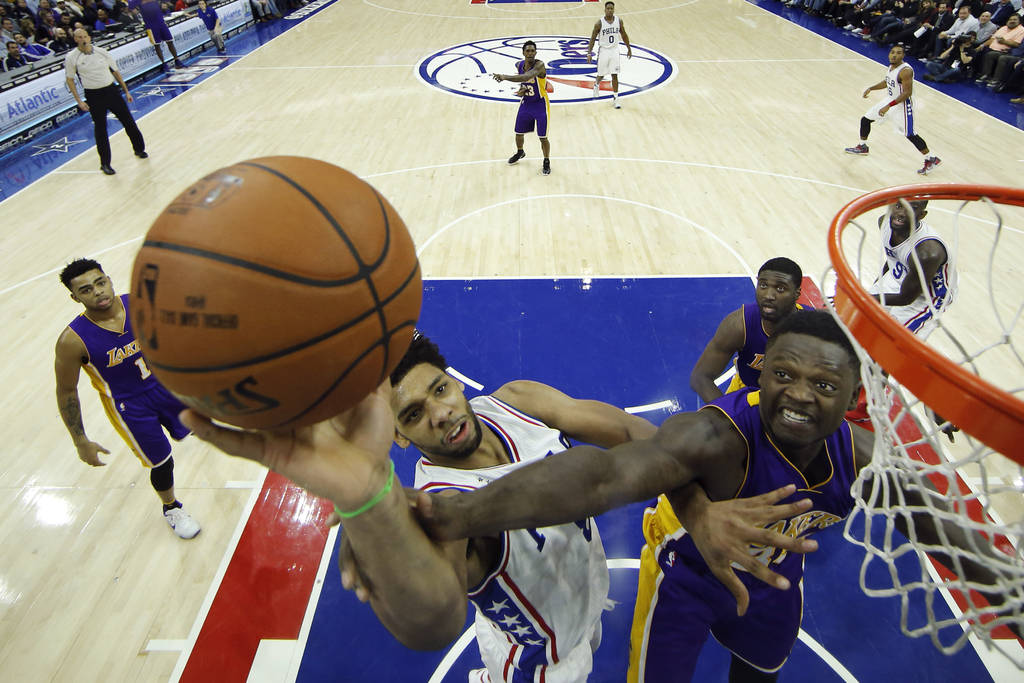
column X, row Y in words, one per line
column 457, row 434
column 794, row 416
column 103, row 302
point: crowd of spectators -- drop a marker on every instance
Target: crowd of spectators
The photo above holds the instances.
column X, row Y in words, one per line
column 958, row 40
column 35, row 30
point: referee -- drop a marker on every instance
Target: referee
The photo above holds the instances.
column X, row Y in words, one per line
column 97, row 70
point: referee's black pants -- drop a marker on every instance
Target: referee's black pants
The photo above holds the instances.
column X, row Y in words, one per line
column 101, row 101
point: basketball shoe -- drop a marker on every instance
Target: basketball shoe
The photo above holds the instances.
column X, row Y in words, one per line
column 929, row 165
column 182, row 523
column 860, row 150
column 514, row 159
column 546, row 167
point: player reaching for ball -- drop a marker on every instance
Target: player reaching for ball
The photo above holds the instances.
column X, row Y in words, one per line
column 539, row 592
column 101, row 341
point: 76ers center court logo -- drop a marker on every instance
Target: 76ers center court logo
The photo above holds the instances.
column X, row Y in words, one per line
column 466, row 69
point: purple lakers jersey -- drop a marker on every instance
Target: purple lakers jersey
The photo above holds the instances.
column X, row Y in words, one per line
column 768, row 469
column 750, row 358
column 536, row 89
column 115, row 363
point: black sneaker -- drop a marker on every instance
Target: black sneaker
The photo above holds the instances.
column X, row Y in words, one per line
column 514, row 159
column 546, row 168
column 106, row 168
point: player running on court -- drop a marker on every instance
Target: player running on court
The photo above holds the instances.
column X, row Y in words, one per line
column 899, row 86
column 101, row 342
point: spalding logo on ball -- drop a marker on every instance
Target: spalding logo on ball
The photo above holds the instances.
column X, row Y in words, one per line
column 276, row 292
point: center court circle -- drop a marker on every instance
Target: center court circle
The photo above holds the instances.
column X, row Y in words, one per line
column 465, row 69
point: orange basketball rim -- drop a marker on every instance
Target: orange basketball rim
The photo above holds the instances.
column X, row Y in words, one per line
column 993, row 416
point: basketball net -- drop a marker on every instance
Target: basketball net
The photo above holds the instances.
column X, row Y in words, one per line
column 971, row 373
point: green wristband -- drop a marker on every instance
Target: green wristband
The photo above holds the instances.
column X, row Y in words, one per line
column 373, row 501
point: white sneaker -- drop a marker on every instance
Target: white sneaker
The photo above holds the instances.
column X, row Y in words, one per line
column 182, row 523
column 617, row 105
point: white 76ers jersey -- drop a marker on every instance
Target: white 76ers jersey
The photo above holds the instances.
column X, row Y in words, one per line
column 892, row 80
column 608, row 38
column 941, row 290
column 539, row 609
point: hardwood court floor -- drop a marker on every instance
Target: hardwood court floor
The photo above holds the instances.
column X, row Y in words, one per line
column 737, row 159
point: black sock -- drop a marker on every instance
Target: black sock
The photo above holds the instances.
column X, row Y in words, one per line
column 171, row 506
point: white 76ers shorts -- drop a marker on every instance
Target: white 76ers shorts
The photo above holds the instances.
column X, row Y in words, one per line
column 608, row 61
column 900, row 115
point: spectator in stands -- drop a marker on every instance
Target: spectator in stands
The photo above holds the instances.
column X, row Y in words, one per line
column 44, row 7
column 1002, row 41
column 61, row 42
column 922, row 39
column 71, row 8
column 1001, row 11
column 975, row 6
column 90, row 11
column 27, row 27
column 964, row 23
column 985, row 28
column 14, row 58
column 45, row 28
column 212, row 23
column 956, row 62
column 33, row 52
column 261, row 9
column 1005, row 65
column 103, row 20
column 181, row 6
column 20, row 11
column 898, row 16
column 7, row 30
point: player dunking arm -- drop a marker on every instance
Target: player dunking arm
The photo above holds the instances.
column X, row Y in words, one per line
column 418, row 587
column 745, row 332
column 899, row 83
column 534, row 108
column 101, row 341
column 790, row 432
column 610, row 28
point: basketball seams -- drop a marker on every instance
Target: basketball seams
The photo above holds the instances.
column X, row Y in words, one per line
column 249, row 265
column 382, row 341
column 366, row 270
column 312, row 377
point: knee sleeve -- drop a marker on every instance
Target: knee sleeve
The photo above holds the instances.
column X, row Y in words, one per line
column 162, row 477
column 918, row 142
column 865, row 127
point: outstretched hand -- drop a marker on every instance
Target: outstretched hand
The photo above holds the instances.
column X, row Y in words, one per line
column 724, row 530
column 89, row 453
column 344, row 459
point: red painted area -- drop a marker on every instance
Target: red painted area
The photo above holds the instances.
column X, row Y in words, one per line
column 578, row 83
column 267, row 585
column 909, row 433
column 478, row 2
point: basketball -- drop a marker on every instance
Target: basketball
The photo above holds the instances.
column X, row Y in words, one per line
column 275, row 293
